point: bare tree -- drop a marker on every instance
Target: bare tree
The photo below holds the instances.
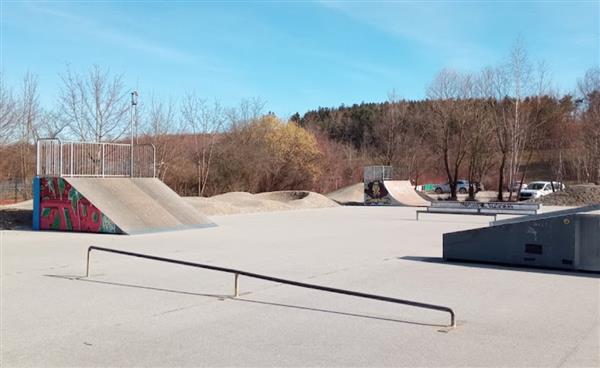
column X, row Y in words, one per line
column 392, row 132
column 162, row 123
column 449, row 93
column 537, row 112
column 494, row 86
column 29, row 107
column 520, row 71
column 589, row 84
column 589, row 155
column 514, row 123
column 480, row 151
column 558, row 135
column 248, row 110
column 205, row 122
column 50, row 124
column 27, row 113
column 8, row 113
column 95, row 105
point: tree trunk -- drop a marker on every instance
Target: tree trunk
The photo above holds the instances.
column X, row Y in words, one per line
column 453, row 193
column 199, row 167
column 524, row 173
column 451, row 180
column 501, row 178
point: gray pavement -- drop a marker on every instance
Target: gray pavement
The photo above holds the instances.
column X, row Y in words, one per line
column 134, row 312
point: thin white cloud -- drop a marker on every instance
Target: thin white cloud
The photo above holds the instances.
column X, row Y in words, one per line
column 114, row 35
column 436, row 27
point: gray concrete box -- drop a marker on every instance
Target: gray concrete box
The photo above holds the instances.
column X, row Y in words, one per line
column 570, row 242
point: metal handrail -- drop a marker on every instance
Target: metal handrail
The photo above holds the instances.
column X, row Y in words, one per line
column 238, row 273
column 38, row 161
column 95, row 143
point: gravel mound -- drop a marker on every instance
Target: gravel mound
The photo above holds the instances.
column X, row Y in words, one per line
column 25, row 205
column 242, row 202
column 209, row 206
column 19, row 215
column 299, row 199
column 576, row 195
column 233, row 196
column 285, row 195
column 351, row 195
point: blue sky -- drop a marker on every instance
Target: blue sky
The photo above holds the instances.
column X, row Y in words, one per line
column 294, row 55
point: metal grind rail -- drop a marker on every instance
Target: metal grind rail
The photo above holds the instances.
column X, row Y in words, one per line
column 239, row 273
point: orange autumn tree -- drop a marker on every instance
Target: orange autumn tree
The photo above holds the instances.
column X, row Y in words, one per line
column 267, row 154
column 294, row 156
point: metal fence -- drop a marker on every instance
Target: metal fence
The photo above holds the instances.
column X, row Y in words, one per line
column 73, row 159
column 377, row 173
column 14, row 190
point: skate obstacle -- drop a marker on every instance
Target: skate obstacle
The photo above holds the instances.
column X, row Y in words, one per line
column 381, row 190
column 566, row 240
column 481, row 208
column 105, row 188
column 237, row 273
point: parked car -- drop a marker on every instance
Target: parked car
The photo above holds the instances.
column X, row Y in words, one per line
column 539, row 189
column 462, row 187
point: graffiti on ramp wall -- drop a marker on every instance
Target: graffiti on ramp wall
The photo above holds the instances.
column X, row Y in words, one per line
column 376, row 193
column 62, row 207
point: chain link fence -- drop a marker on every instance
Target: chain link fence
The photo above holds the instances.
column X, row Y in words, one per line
column 372, row 173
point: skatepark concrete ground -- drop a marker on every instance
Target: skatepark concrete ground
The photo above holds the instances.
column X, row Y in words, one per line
column 135, row 312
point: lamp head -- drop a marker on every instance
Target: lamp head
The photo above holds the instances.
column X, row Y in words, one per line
column 134, row 98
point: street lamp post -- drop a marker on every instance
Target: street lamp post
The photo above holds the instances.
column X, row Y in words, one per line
column 134, row 98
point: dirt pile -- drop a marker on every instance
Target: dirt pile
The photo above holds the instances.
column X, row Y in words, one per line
column 576, row 195
column 351, row 195
column 298, row 199
column 19, row 215
column 242, row 202
column 25, row 205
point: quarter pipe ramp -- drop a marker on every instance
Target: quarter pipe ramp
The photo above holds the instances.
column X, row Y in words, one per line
column 111, row 205
column 392, row 193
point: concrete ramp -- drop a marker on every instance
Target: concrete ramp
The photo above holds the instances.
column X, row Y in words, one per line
column 403, row 193
column 114, row 205
column 392, row 193
column 566, row 240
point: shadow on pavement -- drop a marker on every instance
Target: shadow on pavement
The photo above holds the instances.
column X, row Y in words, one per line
column 495, row 266
column 15, row 219
column 244, row 300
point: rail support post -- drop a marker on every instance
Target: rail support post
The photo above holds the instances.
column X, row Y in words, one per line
column 236, row 286
column 87, row 264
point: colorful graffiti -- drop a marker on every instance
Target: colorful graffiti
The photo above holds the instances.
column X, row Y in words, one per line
column 376, row 193
column 62, row 207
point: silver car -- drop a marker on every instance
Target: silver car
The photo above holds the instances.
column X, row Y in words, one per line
column 462, row 187
column 539, row 189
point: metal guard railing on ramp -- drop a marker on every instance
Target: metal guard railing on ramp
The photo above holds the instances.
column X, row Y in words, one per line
column 94, row 159
column 239, row 273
